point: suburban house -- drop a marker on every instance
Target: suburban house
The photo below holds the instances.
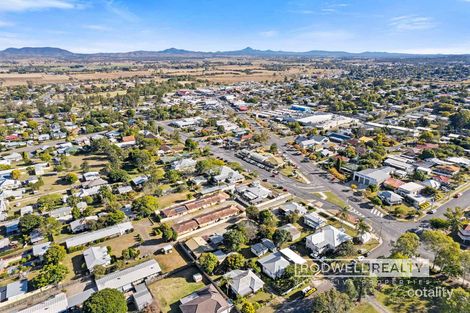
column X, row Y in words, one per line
column 390, row 197
column 372, row 176
column 410, row 188
column 206, row 300
column 274, row 264
column 56, row 304
column 252, row 194
column 82, row 224
column 327, row 238
column 41, row 248
column 292, row 230
column 111, row 231
column 125, row 279
column 243, row 282
column 228, row 175
column 13, row 290
column 314, row 220
column 96, row 256
column 293, row 207
column 142, row 296
column 464, row 235
column 259, row 249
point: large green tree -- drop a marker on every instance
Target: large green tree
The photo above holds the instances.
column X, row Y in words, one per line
column 145, row 206
column 106, row 301
column 331, row 301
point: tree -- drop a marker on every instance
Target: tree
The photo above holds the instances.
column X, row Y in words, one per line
column 281, row 236
column 29, row 222
column 407, row 244
column 248, row 307
column 362, row 226
column 459, row 301
column 117, row 175
column 55, row 254
column 51, row 226
column 455, row 218
column 234, row 239
column 208, row 262
column 50, row 274
column 85, row 167
column 173, row 176
column 48, row 202
column 140, row 159
column 460, row 120
column 273, row 148
column 447, row 253
column 99, row 270
column 15, row 174
column 331, row 301
column 376, row 201
column 267, row 218
column 130, row 253
column 346, row 248
column 235, row 261
column 145, row 206
column 71, row 178
column 168, row 233
column 105, row 301
column 190, row 144
column 350, row 289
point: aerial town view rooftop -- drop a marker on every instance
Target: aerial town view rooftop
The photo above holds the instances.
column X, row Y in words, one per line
column 327, row 170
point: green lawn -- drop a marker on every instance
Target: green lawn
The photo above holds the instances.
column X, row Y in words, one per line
column 170, row 290
column 332, row 198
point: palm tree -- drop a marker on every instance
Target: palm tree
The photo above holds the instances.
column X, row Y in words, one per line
column 362, row 226
column 343, row 214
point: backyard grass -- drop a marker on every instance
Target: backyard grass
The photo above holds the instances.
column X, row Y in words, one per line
column 168, row 200
column 170, row 261
column 364, row 308
column 170, row 290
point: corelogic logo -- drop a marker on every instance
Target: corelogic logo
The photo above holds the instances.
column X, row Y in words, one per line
column 415, row 267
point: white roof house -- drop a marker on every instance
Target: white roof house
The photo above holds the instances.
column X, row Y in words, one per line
column 274, row 264
column 410, row 188
column 41, row 248
column 326, row 238
column 243, row 282
column 115, row 230
column 123, row 280
column 292, row 256
column 293, row 207
column 372, row 176
column 56, row 304
column 96, row 256
column 314, row 220
column 228, row 175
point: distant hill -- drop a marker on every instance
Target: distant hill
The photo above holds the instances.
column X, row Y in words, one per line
column 57, row 53
column 36, row 52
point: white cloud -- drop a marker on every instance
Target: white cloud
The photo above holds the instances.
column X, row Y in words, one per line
column 331, row 35
column 269, row 33
column 411, row 22
column 25, row 5
column 5, row 24
column 99, row 28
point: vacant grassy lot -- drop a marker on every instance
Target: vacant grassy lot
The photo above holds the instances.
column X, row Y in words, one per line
column 171, row 261
column 170, row 290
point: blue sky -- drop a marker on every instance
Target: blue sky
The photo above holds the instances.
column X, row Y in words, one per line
column 416, row 26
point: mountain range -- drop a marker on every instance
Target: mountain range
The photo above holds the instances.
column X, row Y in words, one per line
column 57, row 53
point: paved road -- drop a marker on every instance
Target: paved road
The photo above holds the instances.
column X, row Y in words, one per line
column 385, row 227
